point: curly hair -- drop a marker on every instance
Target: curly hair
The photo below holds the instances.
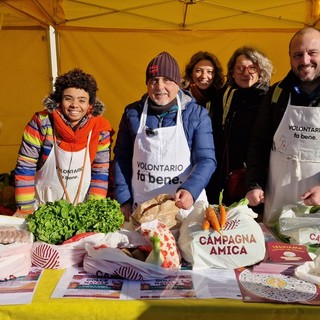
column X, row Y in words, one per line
column 218, row 79
column 75, row 78
column 257, row 57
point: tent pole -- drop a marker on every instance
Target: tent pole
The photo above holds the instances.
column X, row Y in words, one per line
column 53, row 53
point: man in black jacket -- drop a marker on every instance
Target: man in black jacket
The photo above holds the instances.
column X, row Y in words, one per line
column 284, row 152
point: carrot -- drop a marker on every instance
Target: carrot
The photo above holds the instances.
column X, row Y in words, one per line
column 213, row 219
column 222, row 211
column 205, row 224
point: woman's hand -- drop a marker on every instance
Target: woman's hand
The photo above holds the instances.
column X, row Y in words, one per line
column 311, row 197
column 255, row 197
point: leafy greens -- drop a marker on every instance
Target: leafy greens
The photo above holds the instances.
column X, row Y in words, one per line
column 55, row 222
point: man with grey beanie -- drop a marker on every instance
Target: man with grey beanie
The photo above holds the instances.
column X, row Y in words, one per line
column 164, row 143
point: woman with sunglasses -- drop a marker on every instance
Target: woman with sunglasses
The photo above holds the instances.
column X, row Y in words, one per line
column 248, row 78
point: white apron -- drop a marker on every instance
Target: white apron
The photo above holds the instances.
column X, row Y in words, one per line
column 161, row 160
column 294, row 161
column 47, row 181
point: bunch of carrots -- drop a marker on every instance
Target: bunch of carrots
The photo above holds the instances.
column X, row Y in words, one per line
column 214, row 220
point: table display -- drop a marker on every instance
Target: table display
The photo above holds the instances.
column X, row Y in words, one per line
column 45, row 307
column 223, row 293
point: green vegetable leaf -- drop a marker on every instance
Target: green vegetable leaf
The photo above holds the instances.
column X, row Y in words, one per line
column 54, row 222
column 242, row 202
column 314, row 209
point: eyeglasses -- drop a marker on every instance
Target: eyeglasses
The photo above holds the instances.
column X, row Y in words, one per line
column 241, row 69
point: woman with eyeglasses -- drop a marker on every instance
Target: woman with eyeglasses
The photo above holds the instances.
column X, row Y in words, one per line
column 248, row 78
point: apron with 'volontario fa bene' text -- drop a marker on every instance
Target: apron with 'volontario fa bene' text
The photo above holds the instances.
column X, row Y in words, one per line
column 65, row 175
column 161, row 159
column 294, row 160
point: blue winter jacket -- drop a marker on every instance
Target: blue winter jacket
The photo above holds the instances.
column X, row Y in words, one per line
column 198, row 130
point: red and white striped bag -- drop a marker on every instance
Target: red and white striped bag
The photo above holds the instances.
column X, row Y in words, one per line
column 50, row 256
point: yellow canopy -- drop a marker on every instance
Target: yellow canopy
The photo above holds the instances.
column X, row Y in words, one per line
column 161, row 15
column 114, row 40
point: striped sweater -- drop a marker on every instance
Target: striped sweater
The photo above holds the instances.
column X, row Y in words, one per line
column 35, row 148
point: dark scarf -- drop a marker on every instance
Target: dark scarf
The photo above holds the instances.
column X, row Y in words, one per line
column 156, row 109
column 201, row 96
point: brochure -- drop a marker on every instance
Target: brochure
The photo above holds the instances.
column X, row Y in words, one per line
column 20, row 290
column 212, row 283
column 287, row 253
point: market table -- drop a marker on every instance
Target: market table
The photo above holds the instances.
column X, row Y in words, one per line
column 45, row 308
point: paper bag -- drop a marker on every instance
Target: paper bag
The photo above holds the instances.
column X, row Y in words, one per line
column 160, row 208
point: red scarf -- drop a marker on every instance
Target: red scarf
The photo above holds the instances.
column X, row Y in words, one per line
column 77, row 140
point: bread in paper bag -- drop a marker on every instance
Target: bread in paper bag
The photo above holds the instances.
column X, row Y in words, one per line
column 240, row 244
column 161, row 207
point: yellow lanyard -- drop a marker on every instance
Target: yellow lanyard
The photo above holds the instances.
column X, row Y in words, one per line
column 226, row 102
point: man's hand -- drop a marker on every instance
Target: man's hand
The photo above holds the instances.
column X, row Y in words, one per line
column 255, row 197
column 126, row 209
column 311, row 197
column 184, row 199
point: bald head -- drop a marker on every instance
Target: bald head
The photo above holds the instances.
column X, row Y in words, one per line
column 312, row 31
